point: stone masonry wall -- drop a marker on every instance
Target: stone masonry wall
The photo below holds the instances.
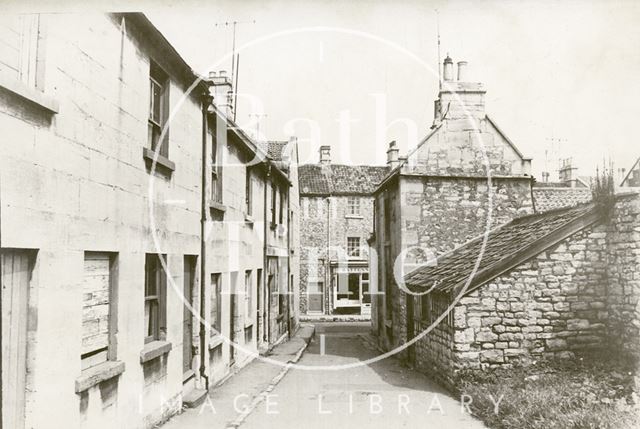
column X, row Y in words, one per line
column 467, row 146
column 440, row 214
column 623, row 271
column 434, row 353
column 551, row 306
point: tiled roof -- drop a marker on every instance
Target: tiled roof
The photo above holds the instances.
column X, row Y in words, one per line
column 275, row 149
column 546, row 199
column 316, row 179
column 504, row 246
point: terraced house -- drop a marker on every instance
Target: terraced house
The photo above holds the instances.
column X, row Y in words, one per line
column 145, row 238
column 337, row 214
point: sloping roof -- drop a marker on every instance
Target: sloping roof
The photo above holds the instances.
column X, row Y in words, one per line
column 506, row 247
column 546, row 199
column 275, row 149
column 317, row 179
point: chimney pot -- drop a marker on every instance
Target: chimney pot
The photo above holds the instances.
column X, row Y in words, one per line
column 392, row 155
column 448, row 69
column 462, row 71
column 325, row 154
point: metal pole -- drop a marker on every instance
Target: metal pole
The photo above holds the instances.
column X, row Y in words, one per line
column 439, row 64
column 235, row 88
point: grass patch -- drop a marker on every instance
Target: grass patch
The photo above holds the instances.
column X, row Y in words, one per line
column 594, row 391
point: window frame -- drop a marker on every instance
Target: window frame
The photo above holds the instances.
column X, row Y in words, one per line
column 248, row 192
column 274, row 202
column 217, row 190
column 216, row 292
column 159, row 321
column 354, row 206
column 159, row 78
column 354, row 252
column 248, row 298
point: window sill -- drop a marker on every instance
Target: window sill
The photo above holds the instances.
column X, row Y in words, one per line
column 161, row 161
column 217, row 206
column 97, row 374
column 214, row 341
column 280, row 317
column 248, row 324
column 353, row 216
column 153, row 350
column 248, row 219
column 388, row 323
column 32, row 95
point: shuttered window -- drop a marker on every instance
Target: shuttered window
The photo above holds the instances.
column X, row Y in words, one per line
column 97, row 287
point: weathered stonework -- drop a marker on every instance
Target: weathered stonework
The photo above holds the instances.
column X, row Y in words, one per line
column 326, row 224
column 623, row 273
column 441, row 213
column 580, row 294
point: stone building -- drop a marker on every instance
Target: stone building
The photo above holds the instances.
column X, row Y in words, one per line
column 471, row 278
column 462, row 179
column 337, row 217
column 547, row 285
column 132, row 228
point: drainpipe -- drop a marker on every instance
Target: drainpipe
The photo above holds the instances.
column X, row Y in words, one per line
column 203, row 246
column 266, row 302
column 290, row 287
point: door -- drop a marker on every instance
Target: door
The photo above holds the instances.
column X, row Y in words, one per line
column 15, row 266
column 411, row 350
column 259, row 305
column 270, row 291
column 187, row 316
column 314, row 296
column 365, row 296
column 233, row 311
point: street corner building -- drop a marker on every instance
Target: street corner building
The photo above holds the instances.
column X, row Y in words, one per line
column 496, row 269
column 142, row 231
column 336, row 209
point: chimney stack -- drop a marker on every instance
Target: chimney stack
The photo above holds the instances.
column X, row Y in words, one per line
column 392, row 155
column 566, row 172
column 462, row 71
column 222, row 91
column 459, row 99
column 448, row 69
column 325, row 155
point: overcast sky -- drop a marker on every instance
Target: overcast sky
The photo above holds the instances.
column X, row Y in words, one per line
column 553, row 70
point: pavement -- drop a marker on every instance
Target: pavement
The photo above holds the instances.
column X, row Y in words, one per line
column 229, row 402
column 328, row 385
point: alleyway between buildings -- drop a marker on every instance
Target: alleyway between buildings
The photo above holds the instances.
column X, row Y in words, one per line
column 380, row 394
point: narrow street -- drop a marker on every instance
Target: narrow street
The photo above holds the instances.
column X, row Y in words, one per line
column 382, row 394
